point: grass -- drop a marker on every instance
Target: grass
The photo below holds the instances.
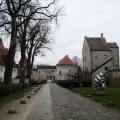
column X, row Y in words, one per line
column 14, row 96
column 113, row 95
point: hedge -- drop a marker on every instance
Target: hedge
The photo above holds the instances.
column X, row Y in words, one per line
column 67, row 83
column 4, row 89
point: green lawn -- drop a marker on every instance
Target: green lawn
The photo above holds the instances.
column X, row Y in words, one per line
column 14, row 96
column 113, row 95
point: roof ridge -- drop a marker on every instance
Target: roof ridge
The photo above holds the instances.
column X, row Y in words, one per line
column 66, row 61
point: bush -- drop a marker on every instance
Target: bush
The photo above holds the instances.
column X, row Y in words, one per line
column 4, row 89
column 86, row 84
column 68, row 83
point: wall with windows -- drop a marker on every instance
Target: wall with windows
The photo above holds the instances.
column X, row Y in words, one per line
column 2, row 70
column 50, row 74
column 103, row 69
column 65, row 72
column 100, row 57
column 115, row 55
column 87, row 60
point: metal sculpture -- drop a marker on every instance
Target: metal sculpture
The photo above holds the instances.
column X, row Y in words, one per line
column 100, row 81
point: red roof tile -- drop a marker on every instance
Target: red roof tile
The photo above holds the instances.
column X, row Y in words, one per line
column 97, row 44
column 3, row 54
column 66, row 61
column 1, row 43
column 113, row 45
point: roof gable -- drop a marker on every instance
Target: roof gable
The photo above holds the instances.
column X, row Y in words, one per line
column 66, row 61
column 97, row 44
column 3, row 54
column 113, row 45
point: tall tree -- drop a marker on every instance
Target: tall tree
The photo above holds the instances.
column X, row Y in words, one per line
column 9, row 11
column 40, row 39
column 12, row 17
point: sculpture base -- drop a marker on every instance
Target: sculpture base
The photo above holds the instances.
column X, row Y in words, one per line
column 100, row 92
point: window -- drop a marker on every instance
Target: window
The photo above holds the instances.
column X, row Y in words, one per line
column 105, row 56
column 106, row 68
column 95, row 56
column 52, row 70
column 85, row 49
column 85, row 58
column 60, row 73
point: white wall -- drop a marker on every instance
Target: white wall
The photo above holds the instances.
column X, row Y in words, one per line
column 65, row 70
column 2, row 70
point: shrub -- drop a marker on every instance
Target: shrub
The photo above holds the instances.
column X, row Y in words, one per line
column 68, row 83
column 4, row 89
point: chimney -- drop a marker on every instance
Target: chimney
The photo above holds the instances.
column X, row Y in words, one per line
column 85, row 37
column 101, row 35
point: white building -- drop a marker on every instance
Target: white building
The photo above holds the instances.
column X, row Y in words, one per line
column 64, row 70
column 99, row 55
column 3, row 57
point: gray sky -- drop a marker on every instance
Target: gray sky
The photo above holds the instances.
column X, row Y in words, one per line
column 83, row 18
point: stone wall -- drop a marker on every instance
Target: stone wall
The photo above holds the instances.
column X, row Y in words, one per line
column 114, row 77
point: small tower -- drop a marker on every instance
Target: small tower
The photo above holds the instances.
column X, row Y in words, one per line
column 66, row 69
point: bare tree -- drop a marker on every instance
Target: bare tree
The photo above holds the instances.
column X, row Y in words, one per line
column 12, row 18
column 78, row 62
column 40, row 39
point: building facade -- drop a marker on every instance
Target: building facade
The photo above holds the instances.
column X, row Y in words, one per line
column 3, row 57
column 64, row 70
column 99, row 55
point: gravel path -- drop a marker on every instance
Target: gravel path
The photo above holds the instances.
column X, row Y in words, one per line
column 71, row 106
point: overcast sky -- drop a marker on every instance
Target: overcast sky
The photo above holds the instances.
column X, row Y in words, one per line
column 83, row 18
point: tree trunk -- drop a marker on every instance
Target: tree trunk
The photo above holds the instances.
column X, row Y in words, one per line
column 10, row 56
column 29, row 69
column 22, row 66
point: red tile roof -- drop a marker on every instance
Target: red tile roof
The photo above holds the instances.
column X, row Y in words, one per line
column 113, row 45
column 1, row 43
column 66, row 61
column 3, row 53
column 97, row 44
